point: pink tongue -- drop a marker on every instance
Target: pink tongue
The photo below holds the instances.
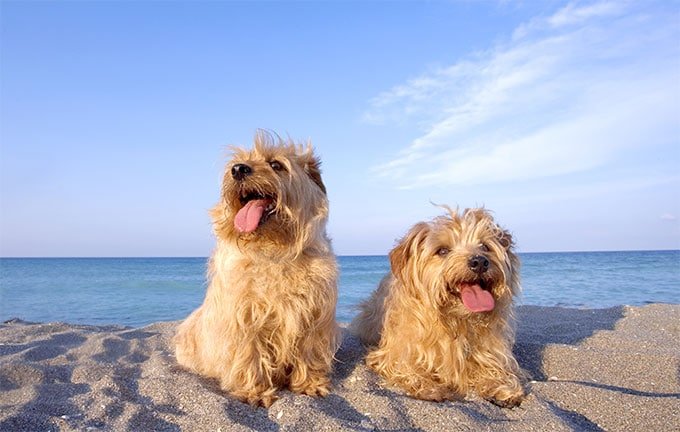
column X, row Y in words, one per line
column 248, row 218
column 475, row 298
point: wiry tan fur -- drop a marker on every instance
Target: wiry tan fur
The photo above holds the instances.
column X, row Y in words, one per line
column 421, row 337
column 268, row 319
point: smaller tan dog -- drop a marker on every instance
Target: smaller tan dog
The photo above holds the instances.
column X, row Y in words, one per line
column 268, row 319
column 440, row 324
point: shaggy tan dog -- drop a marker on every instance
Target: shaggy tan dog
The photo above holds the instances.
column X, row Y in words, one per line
column 440, row 324
column 268, row 319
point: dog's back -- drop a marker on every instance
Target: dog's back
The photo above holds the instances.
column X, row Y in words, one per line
column 368, row 324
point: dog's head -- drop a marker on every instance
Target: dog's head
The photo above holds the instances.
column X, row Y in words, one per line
column 272, row 196
column 462, row 262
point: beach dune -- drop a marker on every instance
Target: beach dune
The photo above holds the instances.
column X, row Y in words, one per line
column 609, row 369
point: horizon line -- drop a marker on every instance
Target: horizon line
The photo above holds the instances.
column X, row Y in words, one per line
column 337, row 255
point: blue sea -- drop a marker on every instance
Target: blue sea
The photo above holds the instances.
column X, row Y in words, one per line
column 138, row 291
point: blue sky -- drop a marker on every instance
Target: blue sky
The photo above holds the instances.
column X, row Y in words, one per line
column 563, row 118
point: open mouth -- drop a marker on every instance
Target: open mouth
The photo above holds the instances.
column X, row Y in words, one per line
column 476, row 295
column 256, row 209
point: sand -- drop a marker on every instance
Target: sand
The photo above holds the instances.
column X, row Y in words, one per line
column 612, row 369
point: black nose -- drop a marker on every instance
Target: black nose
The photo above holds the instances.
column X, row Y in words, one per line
column 240, row 171
column 478, row 264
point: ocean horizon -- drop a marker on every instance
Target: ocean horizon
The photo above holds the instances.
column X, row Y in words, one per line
column 137, row 291
column 338, row 256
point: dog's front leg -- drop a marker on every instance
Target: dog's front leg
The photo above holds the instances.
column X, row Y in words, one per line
column 248, row 377
column 310, row 381
column 310, row 370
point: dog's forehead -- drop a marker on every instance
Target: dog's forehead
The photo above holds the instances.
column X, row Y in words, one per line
column 283, row 154
column 462, row 230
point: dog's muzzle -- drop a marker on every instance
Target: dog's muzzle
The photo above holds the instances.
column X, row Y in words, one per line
column 241, row 171
column 478, row 264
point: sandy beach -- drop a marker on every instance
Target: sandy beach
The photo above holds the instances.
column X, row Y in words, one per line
column 614, row 369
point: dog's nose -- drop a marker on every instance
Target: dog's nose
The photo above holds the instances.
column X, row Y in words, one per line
column 240, row 171
column 478, row 264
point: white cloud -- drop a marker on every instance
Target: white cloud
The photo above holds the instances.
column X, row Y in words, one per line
column 622, row 186
column 573, row 14
column 569, row 92
column 669, row 217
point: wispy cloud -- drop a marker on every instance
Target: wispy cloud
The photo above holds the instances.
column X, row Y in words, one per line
column 566, row 93
column 621, row 186
column 669, row 217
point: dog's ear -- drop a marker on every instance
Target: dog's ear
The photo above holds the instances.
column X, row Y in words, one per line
column 407, row 248
column 313, row 170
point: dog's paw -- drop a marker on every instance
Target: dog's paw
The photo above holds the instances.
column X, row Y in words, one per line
column 511, row 402
column 313, row 388
column 322, row 391
column 314, row 391
column 266, row 400
column 506, row 394
column 256, row 398
column 435, row 394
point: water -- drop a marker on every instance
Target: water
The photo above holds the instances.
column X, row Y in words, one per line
column 139, row 291
column 128, row 291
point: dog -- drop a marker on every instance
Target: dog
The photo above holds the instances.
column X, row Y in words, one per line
column 440, row 324
column 268, row 318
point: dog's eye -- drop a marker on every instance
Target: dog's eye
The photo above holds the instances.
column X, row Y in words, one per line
column 443, row 251
column 276, row 165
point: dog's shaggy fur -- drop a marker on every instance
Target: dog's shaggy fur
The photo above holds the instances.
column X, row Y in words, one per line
column 440, row 324
column 268, row 319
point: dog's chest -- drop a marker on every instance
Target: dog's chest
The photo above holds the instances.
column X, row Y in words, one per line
column 284, row 282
